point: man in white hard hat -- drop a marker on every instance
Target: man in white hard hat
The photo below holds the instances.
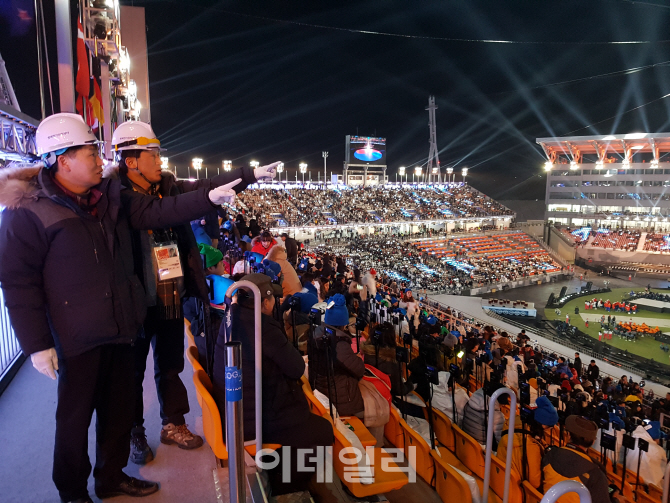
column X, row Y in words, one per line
column 74, row 301
column 139, row 170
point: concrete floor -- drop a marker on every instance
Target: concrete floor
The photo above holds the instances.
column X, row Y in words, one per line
column 27, row 426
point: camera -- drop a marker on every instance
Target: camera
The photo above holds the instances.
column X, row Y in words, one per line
column 432, row 375
column 401, row 354
column 377, row 337
column 607, row 441
column 524, row 393
column 315, row 316
column 294, row 302
column 407, row 339
column 526, row 414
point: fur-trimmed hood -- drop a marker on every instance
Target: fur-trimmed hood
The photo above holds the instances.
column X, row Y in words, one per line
column 19, row 184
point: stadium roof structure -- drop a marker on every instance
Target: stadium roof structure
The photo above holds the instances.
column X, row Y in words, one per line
column 624, row 145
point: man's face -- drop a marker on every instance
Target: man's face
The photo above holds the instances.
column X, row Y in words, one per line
column 149, row 164
column 283, row 238
column 267, row 305
column 576, row 355
column 83, row 169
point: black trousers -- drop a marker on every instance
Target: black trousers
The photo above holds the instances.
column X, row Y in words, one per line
column 167, row 339
column 102, row 380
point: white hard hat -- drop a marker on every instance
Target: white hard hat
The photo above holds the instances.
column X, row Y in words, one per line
column 135, row 135
column 58, row 132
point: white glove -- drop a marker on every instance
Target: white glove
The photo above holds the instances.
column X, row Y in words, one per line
column 224, row 193
column 265, row 173
column 46, row 362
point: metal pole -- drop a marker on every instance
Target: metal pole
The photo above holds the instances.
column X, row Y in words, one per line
column 567, row 486
column 666, row 484
column 64, row 49
column 489, row 442
column 234, row 422
column 258, row 355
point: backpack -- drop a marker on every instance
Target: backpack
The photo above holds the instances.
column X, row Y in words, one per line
column 376, row 392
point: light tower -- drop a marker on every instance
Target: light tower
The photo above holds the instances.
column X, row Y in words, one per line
column 433, row 156
column 324, row 154
column 303, row 170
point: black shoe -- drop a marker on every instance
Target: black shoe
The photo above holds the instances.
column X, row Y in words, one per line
column 140, row 452
column 130, row 487
column 87, row 499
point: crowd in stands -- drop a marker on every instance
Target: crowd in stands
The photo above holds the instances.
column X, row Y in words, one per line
column 316, row 206
column 657, row 243
column 369, row 327
column 624, row 240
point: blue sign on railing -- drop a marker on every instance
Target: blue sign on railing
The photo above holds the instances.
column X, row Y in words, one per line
column 233, row 384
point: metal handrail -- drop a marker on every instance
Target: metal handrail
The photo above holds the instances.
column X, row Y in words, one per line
column 564, row 487
column 258, row 355
column 489, row 443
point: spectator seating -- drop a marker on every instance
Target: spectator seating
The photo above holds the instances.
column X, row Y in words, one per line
column 281, row 205
column 617, row 240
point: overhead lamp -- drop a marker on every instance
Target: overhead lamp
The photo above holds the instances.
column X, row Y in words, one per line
column 634, row 136
column 548, row 165
column 609, row 138
column 636, row 147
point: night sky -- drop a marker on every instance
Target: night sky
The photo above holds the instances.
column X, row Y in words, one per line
column 286, row 80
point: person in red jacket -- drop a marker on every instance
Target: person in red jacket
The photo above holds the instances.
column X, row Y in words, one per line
column 263, row 244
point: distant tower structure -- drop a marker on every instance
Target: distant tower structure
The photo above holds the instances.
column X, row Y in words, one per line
column 7, row 96
column 433, row 156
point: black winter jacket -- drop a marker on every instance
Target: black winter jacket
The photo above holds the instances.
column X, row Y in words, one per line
column 194, row 274
column 284, row 403
column 68, row 277
column 348, row 369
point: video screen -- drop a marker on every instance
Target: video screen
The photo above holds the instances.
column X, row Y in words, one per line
column 366, row 150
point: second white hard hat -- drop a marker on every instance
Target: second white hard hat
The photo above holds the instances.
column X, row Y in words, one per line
column 135, row 135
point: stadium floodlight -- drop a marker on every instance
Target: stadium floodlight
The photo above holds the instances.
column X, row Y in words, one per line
column 164, row 163
column 626, row 163
column 464, row 173
column 548, row 165
column 600, row 164
column 254, row 164
column 654, row 163
column 197, row 165
column 227, row 165
column 303, row 170
column 574, row 165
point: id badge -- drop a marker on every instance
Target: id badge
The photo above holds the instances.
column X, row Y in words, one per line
column 167, row 262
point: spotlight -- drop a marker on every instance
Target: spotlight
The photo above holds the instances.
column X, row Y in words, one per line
column 574, row 165
column 164, row 163
column 548, row 165
column 654, row 163
column 626, row 163
column 197, row 163
column 227, row 165
column 600, row 164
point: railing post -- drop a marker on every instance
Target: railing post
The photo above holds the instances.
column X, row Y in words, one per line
column 666, row 484
column 567, row 486
column 234, row 422
column 489, row 442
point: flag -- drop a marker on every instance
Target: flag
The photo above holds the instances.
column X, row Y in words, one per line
column 96, row 101
column 82, row 82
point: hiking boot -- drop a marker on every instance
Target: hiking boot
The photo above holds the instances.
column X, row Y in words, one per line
column 140, row 452
column 180, row 435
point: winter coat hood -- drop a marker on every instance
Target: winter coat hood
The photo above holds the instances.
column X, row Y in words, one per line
column 18, row 184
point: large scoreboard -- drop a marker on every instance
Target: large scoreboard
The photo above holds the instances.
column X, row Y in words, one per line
column 365, row 151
